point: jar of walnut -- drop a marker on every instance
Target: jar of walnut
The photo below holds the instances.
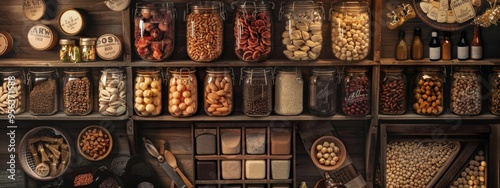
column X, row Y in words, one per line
column 77, row 92
column 147, row 92
column 494, row 100
column 392, row 91
column 465, row 95
column 218, row 95
column 429, row 91
column 182, row 93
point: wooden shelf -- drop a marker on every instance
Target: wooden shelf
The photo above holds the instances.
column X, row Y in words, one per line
column 61, row 116
column 268, row 63
column 392, row 61
column 241, row 157
column 286, row 181
column 57, row 63
column 446, row 116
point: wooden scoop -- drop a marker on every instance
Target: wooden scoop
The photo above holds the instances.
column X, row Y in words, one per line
column 170, row 158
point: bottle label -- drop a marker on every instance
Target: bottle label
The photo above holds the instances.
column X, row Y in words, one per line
column 463, row 52
column 434, row 53
column 476, row 52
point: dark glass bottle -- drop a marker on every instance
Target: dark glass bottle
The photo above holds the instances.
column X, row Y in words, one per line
column 476, row 45
column 434, row 48
column 446, row 47
column 417, row 48
column 401, row 47
column 462, row 47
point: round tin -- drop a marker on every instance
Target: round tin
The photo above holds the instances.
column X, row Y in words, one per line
column 6, row 43
column 34, row 9
column 109, row 47
column 71, row 22
column 117, row 5
column 42, row 37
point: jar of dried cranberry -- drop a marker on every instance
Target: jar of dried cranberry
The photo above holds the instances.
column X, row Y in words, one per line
column 356, row 92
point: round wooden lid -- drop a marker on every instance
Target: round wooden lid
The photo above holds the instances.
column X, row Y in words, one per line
column 117, row 5
column 109, row 47
column 42, row 37
column 34, row 9
column 6, row 43
column 71, row 22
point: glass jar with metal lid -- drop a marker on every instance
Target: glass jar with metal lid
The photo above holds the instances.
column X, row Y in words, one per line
column 356, row 88
column 323, row 92
column 113, row 92
column 87, row 46
column 392, row 91
column 429, row 96
column 465, row 95
column 147, row 92
column 43, row 89
column 69, row 53
column 218, row 95
column 302, row 35
column 12, row 91
column 288, row 91
column 257, row 91
column 183, row 92
column 77, row 92
column 494, row 100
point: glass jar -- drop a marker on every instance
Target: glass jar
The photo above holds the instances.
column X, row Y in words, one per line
column 154, row 30
column 257, row 91
column 392, row 91
column 12, row 90
column 429, row 91
column 350, row 26
column 205, row 33
column 87, row 46
column 112, row 92
column 218, row 95
column 494, row 100
column 465, row 95
column 183, row 92
column 288, row 91
column 43, row 89
column 302, row 35
column 356, row 92
column 77, row 92
column 253, row 30
column 69, row 53
column 147, row 93
column 323, row 92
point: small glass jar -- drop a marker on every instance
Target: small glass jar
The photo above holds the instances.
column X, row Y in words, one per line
column 428, row 91
column 112, row 92
column 323, row 92
column 392, row 91
column 257, row 91
column 356, row 88
column 494, row 100
column 87, row 46
column 465, row 95
column 13, row 87
column 69, row 53
column 147, row 92
column 288, row 91
column 218, row 97
column 302, row 35
column 43, row 89
column 77, row 92
column 183, row 92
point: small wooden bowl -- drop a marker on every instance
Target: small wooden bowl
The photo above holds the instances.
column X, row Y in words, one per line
column 341, row 155
column 104, row 132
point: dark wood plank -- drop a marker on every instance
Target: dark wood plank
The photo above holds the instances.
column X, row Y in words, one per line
column 456, row 167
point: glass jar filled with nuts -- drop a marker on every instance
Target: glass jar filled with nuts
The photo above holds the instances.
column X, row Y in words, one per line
column 12, row 91
column 204, row 32
column 323, row 92
column 147, row 93
column 113, row 92
column 392, row 91
column 288, row 91
column 43, row 89
column 183, row 92
column 429, row 91
column 257, row 91
column 465, row 95
column 302, row 35
column 494, row 100
column 77, row 92
column 218, row 95
column 356, row 88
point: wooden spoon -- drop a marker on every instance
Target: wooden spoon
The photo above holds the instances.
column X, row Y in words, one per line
column 170, row 158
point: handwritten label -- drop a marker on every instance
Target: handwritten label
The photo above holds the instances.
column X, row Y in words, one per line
column 71, row 22
column 34, row 9
column 463, row 10
column 356, row 97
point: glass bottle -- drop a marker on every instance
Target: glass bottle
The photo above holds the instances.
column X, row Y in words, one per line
column 257, row 91
column 323, row 92
column 356, row 92
column 393, row 91
column 494, row 100
column 112, row 92
column 147, row 92
column 429, row 96
column 434, row 47
column 288, row 91
column 446, row 47
column 465, row 95
column 43, row 89
column 401, row 47
column 69, row 53
column 77, row 92
column 13, row 85
column 417, row 48
column 218, row 95
column 476, row 44
column 462, row 47
column 182, row 93
column 87, row 46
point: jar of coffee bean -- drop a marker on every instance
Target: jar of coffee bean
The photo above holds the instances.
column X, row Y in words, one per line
column 494, row 100
column 218, row 95
column 392, row 91
column 183, row 92
column 257, row 91
column 465, row 95
column 288, row 91
column 112, row 92
column 356, row 92
column 323, row 92
column 147, row 92
column 77, row 92
column 429, row 91
column 42, row 85
column 12, row 91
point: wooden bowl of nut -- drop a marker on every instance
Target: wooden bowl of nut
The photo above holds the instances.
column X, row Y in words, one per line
column 328, row 153
column 95, row 143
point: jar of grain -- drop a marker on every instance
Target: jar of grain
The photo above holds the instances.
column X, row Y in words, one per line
column 112, row 92
column 392, row 91
column 147, row 92
column 43, row 89
column 204, row 32
column 323, row 92
column 356, row 92
column 77, row 92
column 218, row 95
column 12, row 91
column 429, row 91
column 494, row 100
column 465, row 95
column 288, row 91
column 257, row 91
column 183, row 92
column 302, row 35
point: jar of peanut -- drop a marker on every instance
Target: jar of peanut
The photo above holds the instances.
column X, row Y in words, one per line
column 257, row 91
column 465, row 95
column 182, row 93
column 429, row 91
column 356, row 92
column 77, row 92
column 147, row 92
column 218, row 97
column 494, row 100
column 392, row 91
column 12, row 91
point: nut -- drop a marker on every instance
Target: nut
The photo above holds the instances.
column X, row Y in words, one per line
column 465, row 94
column 495, row 93
column 204, row 36
column 218, row 99
column 393, row 96
column 429, row 95
column 112, row 93
column 253, row 35
column 327, row 154
column 145, row 106
column 350, row 35
column 95, row 143
column 302, row 36
column 182, row 96
column 356, row 96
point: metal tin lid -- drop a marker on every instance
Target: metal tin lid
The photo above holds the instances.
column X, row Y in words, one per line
column 351, row 6
column 42, row 37
column 71, row 22
column 34, row 9
column 6, row 43
column 66, row 42
column 117, row 5
column 87, row 41
column 109, row 47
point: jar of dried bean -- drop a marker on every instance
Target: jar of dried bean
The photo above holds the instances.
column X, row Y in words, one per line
column 43, row 89
column 494, row 100
column 288, row 91
column 154, row 30
column 183, row 92
column 392, row 91
column 253, row 30
column 465, row 95
column 429, row 91
column 257, row 91
column 12, row 91
column 218, row 95
column 323, row 92
column 205, row 22
column 350, row 28
column 147, row 92
column 112, row 92
column 87, row 46
column 356, row 92
column 77, row 92
column 302, row 35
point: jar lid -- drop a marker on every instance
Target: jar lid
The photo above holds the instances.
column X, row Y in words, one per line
column 206, row 5
column 430, row 68
column 300, row 5
column 11, row 71
column 34, row 9
column 66, row 41
column 42, row 37
column 117, row 5
column 71, row 22
column 218, row 70
column 262, row 4
column 356, row 69
column 392, row 69
column 288, row 70
column 109, row 47
column 6, row 43
column 257, row 70
column 150, row 70
column 148, row 5
column 75, row 70
column 466, row 68
column 351, row 6
column 324, row 70
column 111, row 70
column 87, row 41
column 42, row 71
column 182, row 70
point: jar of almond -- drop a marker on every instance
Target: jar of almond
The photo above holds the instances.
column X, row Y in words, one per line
column 147, row 92
column 429, row 91
column 182, row 93
column 218, row 95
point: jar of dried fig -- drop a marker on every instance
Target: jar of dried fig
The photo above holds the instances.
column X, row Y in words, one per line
column 253, row 30
column 183, row 92
column 218, row 95
column 392, row 91
column 288, row 91
column 147, row 92
column 77, row 92
column 43, row 89
column 465, row 95
column 323, row 92
column 12, row 91
column 356, row 92
column 257, row 91
column 112, row 92
column 429, row 91
column 494, row 100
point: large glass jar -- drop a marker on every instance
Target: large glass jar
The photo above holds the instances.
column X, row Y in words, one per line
column 253, row 30
column 154, row 27
column 183, row 92
column 77, row 92
column 323, row 92
column 147, row 92
column 302, row 35
column 356, row 92
column 350, row 25
column 429, row 91
column 12, row 91
column 87, row 46
column 43, row 84
column 392, row 91
column 465, row 95
column 288, row 91
column 257, row 91
column 204, row 32
column 112, row 92
column 218, row 95
column 494, row 100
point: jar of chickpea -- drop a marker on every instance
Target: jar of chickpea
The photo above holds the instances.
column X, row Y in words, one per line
column 147, row 93
column 429, row 91
column 182, row 93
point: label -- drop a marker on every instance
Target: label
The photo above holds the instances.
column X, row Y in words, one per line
column 434, row 53
column 463, row 52
column 42, row 37
column 117, row 5
column 356, row 97
column 476, row 52
column 426, row 7
column 442, row 16
column 433, row 13
column 450, row 17
column 34, row 9
column 71, row 22
column 443, row 5
column 109, row 47
column 6, row 43
column 463, row 10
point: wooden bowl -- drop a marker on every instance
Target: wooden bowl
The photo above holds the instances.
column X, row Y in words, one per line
column 341, row 155
column 96, row 131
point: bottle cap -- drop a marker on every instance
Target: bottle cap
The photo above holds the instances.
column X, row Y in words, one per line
column 434, row 34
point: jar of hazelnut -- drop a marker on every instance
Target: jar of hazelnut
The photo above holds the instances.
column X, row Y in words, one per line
column 12, row 91
column 429, row 91
column 218, row 95
column 77, row 92
column 147, row 92
column 392, row 91
column 182, row 93
column 323, row 92
column 494, row 100
column 356, row 90
column 465, row 95
column 43, row 89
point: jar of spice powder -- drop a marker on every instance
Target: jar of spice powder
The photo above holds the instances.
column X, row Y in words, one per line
column 289, row 89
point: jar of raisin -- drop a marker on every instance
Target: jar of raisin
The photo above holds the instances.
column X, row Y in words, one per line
column 183, row 92
column 428, row 91
column 465, row 95
column 257, row 91
column 218, row 95
column 356, row 92
column 323, row 92
column 392, row 91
